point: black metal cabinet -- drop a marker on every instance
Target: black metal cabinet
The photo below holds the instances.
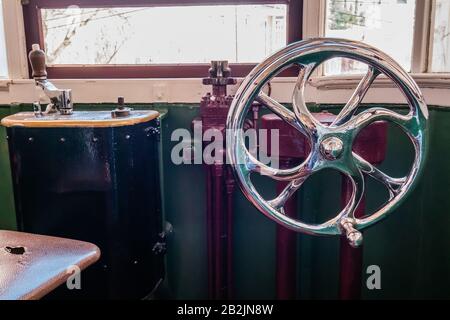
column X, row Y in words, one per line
column 96, row 184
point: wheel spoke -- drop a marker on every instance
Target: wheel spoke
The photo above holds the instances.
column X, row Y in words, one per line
column 356, row 177
column 281, row 111
column 369, row 116
column 279, row 202
column 352, row 105
column 254, row 165
column 392, row 184
column 300, row 109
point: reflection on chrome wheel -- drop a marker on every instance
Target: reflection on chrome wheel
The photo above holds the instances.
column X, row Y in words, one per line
column 331, row 146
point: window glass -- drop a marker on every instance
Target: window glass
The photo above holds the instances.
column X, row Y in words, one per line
column 441, row 47
column 164, row 35
column 385, row 24
column 3, row 59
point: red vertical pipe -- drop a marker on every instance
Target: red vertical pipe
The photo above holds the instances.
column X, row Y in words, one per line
column 351, row 259
column 209, row 230
column 219, row 91
column 286, row 247
column 213, row 113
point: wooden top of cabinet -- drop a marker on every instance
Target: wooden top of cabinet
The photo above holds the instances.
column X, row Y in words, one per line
column 79, row 119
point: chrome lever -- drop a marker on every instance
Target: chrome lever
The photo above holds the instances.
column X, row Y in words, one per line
column 61, row 99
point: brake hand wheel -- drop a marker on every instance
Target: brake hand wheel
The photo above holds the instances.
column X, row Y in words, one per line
column 331, row 146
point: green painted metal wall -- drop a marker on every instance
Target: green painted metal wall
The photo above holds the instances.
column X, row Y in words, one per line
column 7, row 214
column 412, row 247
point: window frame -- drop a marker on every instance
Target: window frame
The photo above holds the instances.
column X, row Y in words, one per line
column 3, row 49
column 15, row 41
column 34, row 34
column 421, row 55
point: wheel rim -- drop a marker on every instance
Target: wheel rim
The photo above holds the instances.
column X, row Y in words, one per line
column 331, row 146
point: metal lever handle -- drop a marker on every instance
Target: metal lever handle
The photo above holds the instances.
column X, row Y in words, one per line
column 354, row 237
column 37, row 61
column 61, row 99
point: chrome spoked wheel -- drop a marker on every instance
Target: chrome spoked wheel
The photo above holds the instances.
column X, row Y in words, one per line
column 331, row 146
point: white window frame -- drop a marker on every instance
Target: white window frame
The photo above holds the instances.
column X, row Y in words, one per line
column 314, row 14
column 15, row 41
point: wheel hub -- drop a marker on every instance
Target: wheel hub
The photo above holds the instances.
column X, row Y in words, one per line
column 332, row 148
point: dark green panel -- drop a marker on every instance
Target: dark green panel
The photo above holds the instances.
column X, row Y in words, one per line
column 254, row 243
column 412, row 246
column 7, row 215
column 184, row 199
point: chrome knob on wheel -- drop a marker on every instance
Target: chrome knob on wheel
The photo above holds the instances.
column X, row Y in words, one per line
column 331, row 145
column 332, row 148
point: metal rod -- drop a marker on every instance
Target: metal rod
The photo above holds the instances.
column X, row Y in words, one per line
column 209, row 229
